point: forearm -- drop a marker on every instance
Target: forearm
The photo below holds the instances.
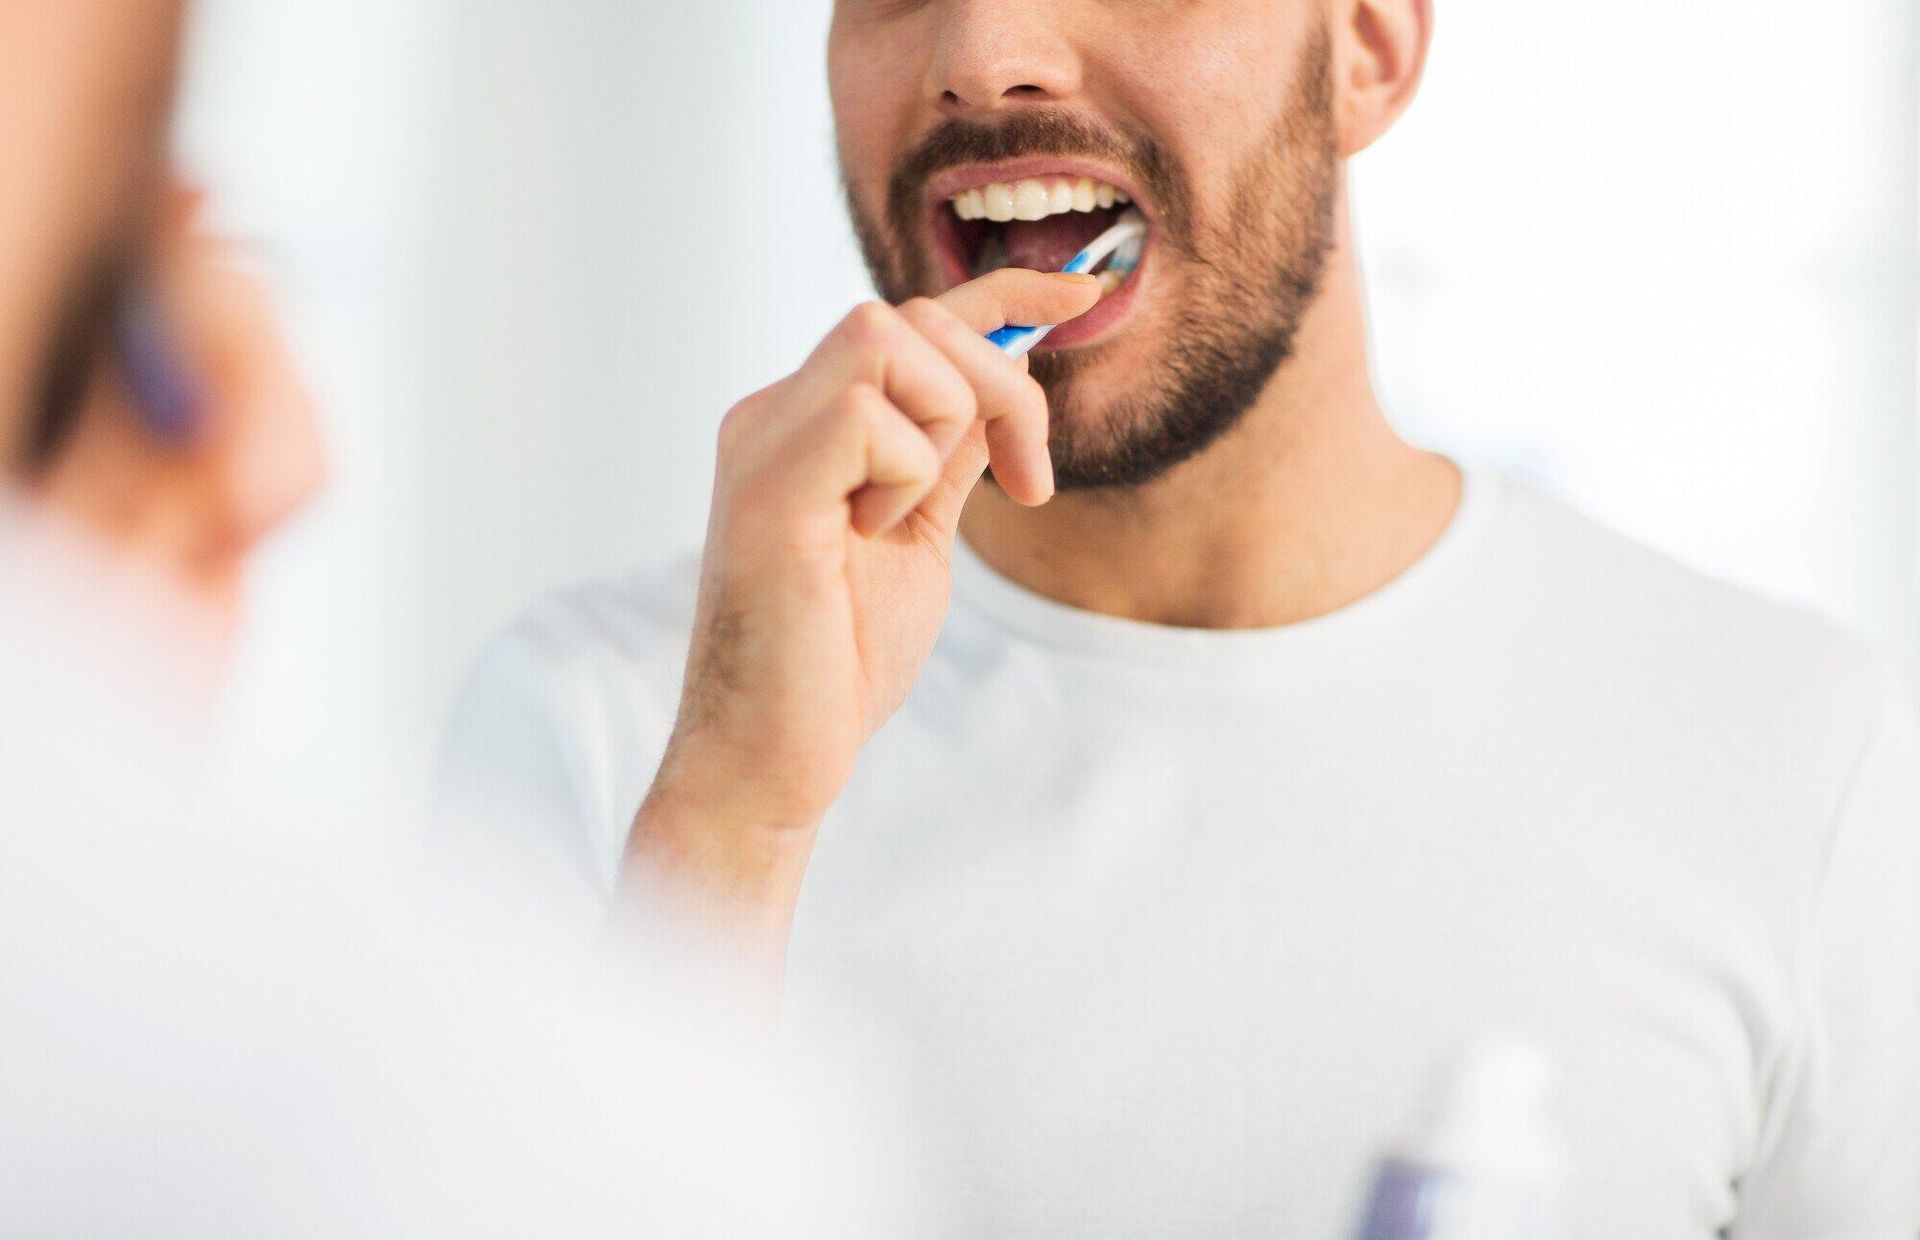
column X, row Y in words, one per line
column 700, row 879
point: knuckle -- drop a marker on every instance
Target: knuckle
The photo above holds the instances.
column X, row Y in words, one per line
column 965, row 403
column 853, row 410
column 959, row 400
column 868, row 324
column 741, row 423
column 923, row 311
column 927, row 462
column 860, row 400
column 915, row 462
column 733, row 429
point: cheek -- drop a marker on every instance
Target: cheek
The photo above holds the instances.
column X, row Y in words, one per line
column 1206, row 79
column 873, row 91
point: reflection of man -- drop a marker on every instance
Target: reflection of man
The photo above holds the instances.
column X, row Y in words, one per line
column 89, row 230
column 221, row 1023
column 1259, row 756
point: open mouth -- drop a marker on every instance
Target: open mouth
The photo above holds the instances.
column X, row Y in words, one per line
column 1039, row 222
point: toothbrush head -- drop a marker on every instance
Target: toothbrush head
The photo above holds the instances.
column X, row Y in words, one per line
column 1120, row 246
column 1127, row 257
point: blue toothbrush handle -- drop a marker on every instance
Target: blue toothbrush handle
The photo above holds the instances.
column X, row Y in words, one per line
column 1016, row 340
column 167, row 390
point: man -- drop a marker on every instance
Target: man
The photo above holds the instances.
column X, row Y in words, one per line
column 1257, row 757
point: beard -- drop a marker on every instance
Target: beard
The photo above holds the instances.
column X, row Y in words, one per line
column 1246, row 278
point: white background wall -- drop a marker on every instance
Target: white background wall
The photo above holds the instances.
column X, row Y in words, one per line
column 1660, row 256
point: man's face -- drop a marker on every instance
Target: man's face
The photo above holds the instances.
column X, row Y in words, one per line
column 1213, row 116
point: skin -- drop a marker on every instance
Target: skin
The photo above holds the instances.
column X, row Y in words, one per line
column 841, row 489
column 83, row 86
column 85, row 91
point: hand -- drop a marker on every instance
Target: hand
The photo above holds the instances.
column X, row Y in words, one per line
column 826, row 577
column 191, row 510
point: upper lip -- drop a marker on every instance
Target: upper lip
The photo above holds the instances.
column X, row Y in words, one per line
column 957, row 180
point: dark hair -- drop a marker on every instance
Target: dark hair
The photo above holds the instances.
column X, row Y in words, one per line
column 76, row 345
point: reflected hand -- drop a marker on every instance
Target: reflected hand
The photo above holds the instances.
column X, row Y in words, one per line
column 191, row 507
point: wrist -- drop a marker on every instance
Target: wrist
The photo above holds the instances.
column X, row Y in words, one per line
column 707, row 903
column 740, row 793
column 719, row 849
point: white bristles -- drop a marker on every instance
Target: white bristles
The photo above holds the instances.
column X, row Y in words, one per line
column 1127, row 232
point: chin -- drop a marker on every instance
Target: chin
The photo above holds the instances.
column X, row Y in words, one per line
column 1089, row 385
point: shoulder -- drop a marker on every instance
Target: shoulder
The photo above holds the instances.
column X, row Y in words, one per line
column 1625, row 604
column 585, row 675
column 554, row 734
column 1695, row 663
column 623, row 632
column 637, row 616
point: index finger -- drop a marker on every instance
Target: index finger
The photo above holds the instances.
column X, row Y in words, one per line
column 1014, row 296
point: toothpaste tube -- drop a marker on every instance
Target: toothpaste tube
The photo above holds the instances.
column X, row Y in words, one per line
column 1487, row 1163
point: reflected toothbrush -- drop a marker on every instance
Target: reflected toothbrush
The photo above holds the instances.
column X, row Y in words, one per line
column 1121, row 244
column 167, row 389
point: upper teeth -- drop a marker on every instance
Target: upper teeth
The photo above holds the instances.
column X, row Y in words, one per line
column 1035, row 200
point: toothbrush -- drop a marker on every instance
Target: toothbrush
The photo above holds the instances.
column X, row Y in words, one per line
column 167, row 388
column 1122, row 241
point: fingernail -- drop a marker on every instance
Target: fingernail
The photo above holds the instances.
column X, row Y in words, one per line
column 1079, row 277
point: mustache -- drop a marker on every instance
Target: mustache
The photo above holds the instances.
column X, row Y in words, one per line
column 954, row 142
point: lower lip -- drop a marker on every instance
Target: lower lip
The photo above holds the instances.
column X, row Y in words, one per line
column 1089, row 327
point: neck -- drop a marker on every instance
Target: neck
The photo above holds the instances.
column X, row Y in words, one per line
column 1308, row 504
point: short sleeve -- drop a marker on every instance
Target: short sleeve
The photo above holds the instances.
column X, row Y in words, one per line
column 550, row 746
column 1840, row 1158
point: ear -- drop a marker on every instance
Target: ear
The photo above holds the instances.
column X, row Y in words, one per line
column 1379, row 54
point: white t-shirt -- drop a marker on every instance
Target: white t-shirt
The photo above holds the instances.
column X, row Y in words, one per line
column 1170, row 927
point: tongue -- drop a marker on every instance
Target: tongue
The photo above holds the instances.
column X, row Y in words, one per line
column 1048, row 245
